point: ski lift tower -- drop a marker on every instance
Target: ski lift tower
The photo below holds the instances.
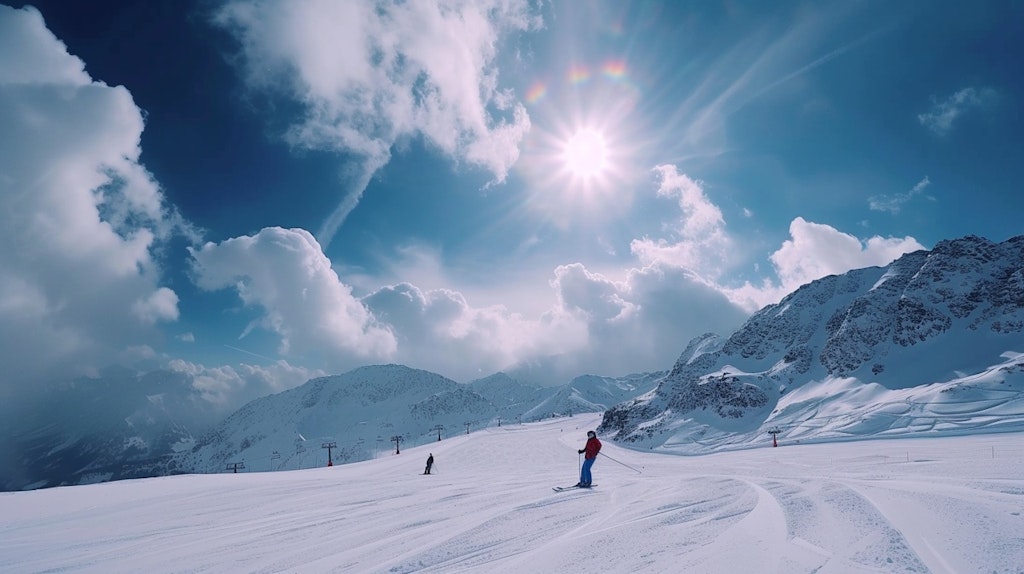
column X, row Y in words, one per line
column 774, row 431
column 329, row 446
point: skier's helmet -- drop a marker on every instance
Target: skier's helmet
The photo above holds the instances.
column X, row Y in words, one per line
column 592, row 434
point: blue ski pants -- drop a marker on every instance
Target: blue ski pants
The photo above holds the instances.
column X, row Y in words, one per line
column 585, row 471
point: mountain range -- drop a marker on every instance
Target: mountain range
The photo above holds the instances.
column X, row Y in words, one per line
column 125, row 424
column 372, row 410
column 931, row 343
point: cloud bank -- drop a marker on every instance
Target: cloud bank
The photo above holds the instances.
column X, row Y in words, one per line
column 230, row 387
column 81, row 220
column 597, row 324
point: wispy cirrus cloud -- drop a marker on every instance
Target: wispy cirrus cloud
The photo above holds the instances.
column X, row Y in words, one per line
column 943, row 113
column 367, row 74
column 894, row 203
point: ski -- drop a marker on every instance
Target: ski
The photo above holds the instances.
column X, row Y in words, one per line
column 573, row 487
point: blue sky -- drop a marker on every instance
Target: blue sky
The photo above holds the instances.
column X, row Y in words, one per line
column 260, row 192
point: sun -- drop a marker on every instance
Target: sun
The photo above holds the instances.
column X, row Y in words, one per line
column 578, row 166
column 585, row 154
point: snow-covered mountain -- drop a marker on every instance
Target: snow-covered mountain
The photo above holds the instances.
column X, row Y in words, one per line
column 592, row 394
column 122, row 424
column 361, row 413
column 908, row 347
column 509, row 395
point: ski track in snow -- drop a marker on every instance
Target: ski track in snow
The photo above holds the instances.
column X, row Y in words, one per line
column 946, row 505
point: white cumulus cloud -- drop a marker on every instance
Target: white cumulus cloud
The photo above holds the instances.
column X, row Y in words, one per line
column 440, row 330
column 698, row 240
column 815, row 250
column 646, row 319
column 80, row 217
column 284, row 274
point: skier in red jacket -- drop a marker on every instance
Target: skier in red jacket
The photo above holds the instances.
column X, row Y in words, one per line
column 589, row 451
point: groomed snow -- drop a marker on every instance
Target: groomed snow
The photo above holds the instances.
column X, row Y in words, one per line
column 951, row 504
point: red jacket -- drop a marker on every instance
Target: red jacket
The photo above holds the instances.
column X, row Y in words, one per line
column 592, row 448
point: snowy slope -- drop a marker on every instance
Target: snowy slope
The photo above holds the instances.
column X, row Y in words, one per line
column 916, row 333
column 944, row 505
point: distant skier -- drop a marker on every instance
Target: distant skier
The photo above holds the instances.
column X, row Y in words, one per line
column 589, row 451
column 430, row 463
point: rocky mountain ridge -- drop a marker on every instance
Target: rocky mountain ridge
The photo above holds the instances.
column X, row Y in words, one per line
column 930, row 317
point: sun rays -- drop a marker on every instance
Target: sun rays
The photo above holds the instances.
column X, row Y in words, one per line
column 583, row 143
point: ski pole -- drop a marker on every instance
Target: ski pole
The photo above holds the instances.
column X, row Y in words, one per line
column 622, row 463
